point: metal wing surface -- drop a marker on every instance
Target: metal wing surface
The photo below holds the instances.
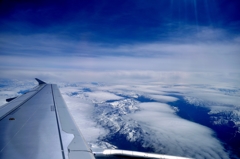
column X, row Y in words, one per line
column 37, row 125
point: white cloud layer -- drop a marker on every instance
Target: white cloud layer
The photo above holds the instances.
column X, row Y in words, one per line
column 50, row 53
column 177, row 136
column 100, row 96
column 54, row 58
column 163, row 99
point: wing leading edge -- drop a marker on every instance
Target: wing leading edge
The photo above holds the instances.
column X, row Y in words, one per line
column 38, row 125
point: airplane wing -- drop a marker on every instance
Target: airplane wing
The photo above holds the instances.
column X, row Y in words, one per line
column 37, row 125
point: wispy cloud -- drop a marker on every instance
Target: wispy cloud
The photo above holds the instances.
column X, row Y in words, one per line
column 100, row 96
column 53, row 52
column 48, row 57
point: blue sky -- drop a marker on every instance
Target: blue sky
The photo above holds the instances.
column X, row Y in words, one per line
column 49, row 37
column 119, row 21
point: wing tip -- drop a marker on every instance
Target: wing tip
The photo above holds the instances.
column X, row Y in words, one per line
column 40, row 81
column 10, row 99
